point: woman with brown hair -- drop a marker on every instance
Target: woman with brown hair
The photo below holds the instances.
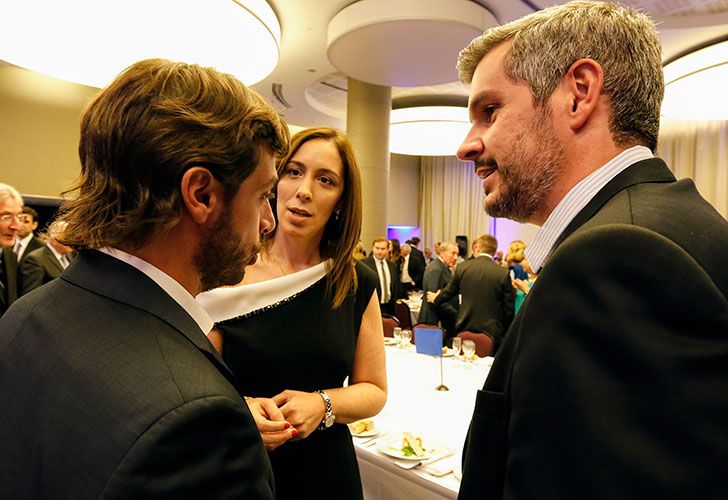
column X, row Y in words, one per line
column 305, row 317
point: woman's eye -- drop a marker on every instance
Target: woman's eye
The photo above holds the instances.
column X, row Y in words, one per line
column 294, row 172
column 327, row 180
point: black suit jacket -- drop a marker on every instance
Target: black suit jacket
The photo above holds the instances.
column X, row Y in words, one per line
column 9, row 291
column 487, row 297
column 613, row 379
column 437, row 276
column 109, row 389
column 393, row 283
column 33, row 244
column 37, row 268
column 416, row 269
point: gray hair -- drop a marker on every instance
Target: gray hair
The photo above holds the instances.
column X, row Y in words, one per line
column 546, row 43
column 8, row 191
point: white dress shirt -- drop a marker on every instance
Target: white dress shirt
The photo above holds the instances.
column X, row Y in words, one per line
column 576, row 199
column 168, row 284
column 406, row 278
column 22, row 245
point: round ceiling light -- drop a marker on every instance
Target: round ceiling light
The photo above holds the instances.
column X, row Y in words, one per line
column 404, row 43
column 428, row 130
column 694, row 84
column 90, row 42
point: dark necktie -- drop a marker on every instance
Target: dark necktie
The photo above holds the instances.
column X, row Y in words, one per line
column 385, row 292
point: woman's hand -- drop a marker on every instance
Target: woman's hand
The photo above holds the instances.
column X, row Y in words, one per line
column 304, row 410
column 521, row 285
column 273, row 428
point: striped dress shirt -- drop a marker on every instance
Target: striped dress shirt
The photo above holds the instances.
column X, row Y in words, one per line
column 576, row 199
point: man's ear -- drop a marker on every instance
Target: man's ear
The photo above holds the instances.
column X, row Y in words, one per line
column 202, row 194
column 583, row 84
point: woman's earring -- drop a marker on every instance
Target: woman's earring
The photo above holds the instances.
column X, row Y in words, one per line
column 336, row 215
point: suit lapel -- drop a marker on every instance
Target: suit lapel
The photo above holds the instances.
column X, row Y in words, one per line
column 650, row 170
column 52, row 261
column 117, row 280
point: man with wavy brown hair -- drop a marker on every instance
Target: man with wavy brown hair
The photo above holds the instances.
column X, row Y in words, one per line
column 109, row 387
column 611, row 381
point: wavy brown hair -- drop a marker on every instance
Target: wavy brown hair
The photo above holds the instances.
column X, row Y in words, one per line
column 139, row 136
column 341, row 233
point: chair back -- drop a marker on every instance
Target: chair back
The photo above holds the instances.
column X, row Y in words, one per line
column 389, row 323
column 402, row 311
column 483, row 342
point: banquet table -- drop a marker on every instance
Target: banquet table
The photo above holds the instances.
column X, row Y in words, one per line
column 415, row 406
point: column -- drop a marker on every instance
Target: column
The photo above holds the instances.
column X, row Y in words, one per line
column 367, row 124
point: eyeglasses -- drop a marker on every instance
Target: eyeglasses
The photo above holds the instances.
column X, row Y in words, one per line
column 8, row 218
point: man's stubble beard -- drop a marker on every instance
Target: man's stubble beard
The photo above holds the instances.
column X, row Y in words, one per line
column 528, row 175
column 220, row 260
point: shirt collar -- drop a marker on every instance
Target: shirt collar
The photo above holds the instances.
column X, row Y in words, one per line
column 55, row 252
column 168, row 284
column 575, row 200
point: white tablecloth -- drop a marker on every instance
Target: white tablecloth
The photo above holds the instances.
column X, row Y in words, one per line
column 414, row 405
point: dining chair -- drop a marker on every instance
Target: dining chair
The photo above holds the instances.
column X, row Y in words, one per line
column 483, row 342
column 402, row 311
column 389, row 323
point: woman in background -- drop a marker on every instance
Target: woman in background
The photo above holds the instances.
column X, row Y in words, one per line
column 514, row 257
column 305, row 317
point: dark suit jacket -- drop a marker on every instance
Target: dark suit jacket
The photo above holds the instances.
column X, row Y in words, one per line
column 416, row 269
column 416, row 254
column 487, row 297
column 109, row 389
column 33, row 244
column 9, row 279
column 393, row 284
column 613, row 379
column 37, row 268
column 437, row 276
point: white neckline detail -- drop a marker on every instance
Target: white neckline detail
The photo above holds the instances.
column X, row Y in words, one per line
column 231, row 302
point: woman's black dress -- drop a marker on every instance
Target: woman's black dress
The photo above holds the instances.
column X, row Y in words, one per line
column 283, row 334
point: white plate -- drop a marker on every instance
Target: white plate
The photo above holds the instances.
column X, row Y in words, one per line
column 449, row 353
column 391, row 445
column 371, row 432
column 390, row 341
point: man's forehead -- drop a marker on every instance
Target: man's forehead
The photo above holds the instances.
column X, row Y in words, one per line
column 10, row 205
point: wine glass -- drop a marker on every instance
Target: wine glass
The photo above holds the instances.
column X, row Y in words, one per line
column 468, row 349
column 406, row 337
column 457, row 343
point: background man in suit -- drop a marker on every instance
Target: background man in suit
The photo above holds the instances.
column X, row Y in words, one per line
column 11, row 204
column 27, row 241
column 488, row 297
column 109, row 387
column 416, row 252
column 44, row 264
column 388, row 288
column 412, row 272
column 611, row 382
column 437, row 276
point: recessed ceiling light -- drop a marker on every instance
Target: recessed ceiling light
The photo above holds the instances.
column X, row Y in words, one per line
column 90, row 42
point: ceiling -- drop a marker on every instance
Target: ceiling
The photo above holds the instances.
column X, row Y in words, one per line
column 309, row 90
column 313, row 91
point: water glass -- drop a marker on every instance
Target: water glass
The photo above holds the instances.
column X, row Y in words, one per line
column 457, row 343
column 468, row 349
column 406, row 337
column 397, row 332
